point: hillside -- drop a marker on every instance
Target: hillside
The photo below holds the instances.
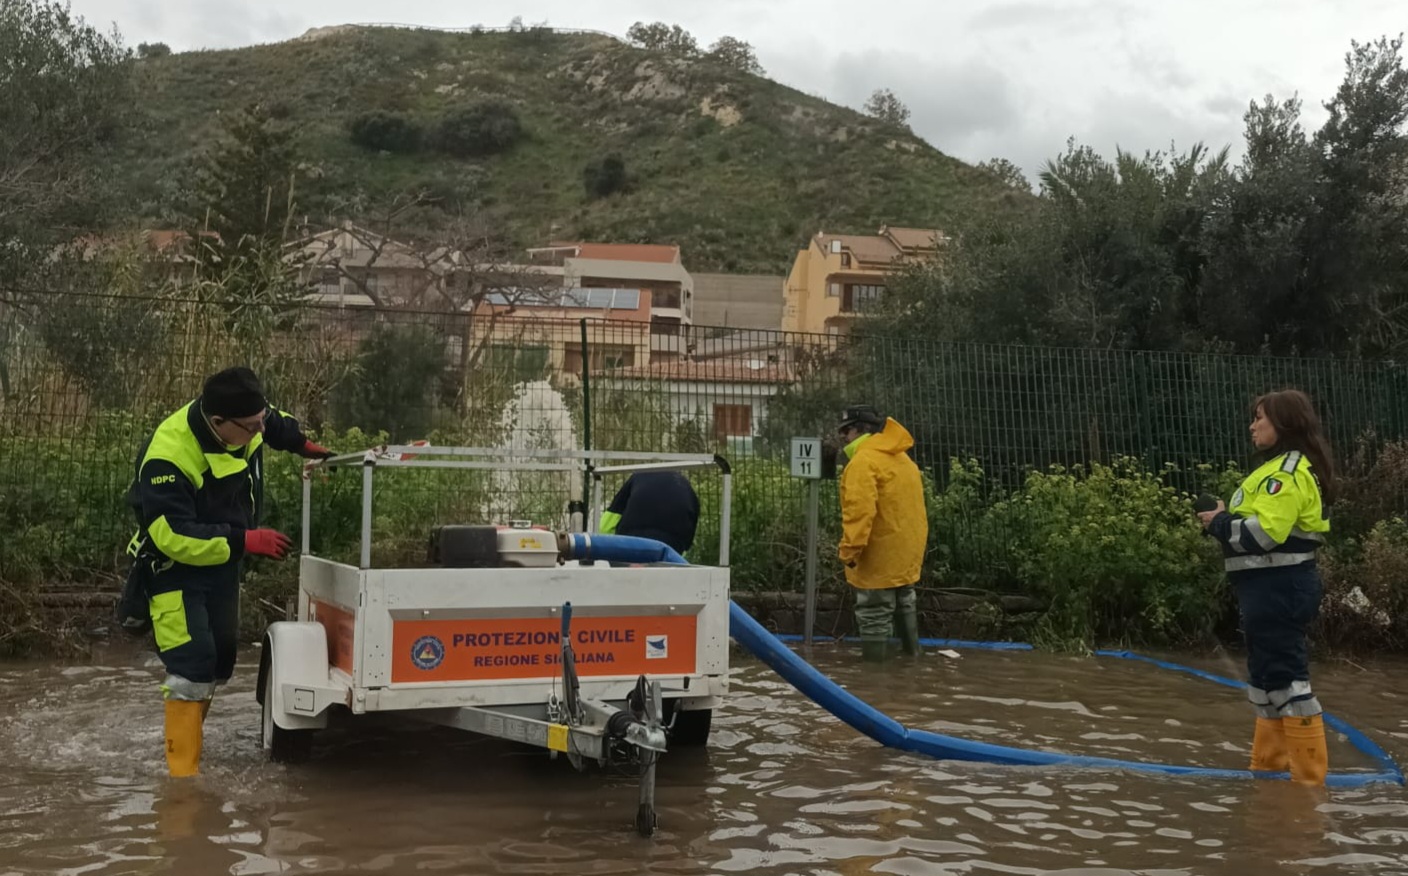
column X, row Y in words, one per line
column 735, row 168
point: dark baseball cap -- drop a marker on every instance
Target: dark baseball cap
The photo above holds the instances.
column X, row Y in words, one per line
column 860, row 415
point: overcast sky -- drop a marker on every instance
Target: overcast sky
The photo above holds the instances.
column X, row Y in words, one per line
column 982, row 78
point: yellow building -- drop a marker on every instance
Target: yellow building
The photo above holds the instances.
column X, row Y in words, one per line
column 838, row 276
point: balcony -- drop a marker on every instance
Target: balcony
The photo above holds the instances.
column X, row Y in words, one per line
column 858, row 298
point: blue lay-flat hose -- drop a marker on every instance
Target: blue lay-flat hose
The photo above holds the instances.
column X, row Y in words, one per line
column 888, row 732
column 621, row 549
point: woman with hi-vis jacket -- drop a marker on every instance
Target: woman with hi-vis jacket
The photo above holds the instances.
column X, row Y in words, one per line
column 1270, row 532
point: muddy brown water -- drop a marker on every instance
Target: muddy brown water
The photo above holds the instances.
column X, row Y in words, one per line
column 782, row 788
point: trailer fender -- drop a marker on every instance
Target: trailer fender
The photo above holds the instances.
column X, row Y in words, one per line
column 296, row 655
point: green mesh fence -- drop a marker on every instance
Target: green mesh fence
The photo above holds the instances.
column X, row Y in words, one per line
column 83, row 378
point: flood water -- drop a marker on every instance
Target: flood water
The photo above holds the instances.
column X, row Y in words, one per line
column 781, row 789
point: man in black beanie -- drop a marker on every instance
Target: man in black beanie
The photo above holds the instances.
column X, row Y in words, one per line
column 197, row 494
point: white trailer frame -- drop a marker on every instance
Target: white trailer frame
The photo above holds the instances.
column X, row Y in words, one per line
column 474, row 647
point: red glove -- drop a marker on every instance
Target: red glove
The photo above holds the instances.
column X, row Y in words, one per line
column 315, row 451
column 266, row 543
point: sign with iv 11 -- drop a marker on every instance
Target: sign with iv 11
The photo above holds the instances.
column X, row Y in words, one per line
column 806, row 458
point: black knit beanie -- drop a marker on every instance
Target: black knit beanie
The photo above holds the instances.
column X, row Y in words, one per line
column 233, row 393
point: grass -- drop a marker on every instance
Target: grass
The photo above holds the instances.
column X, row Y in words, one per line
column 737, row 197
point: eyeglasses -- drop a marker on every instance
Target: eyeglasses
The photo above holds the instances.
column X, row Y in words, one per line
column 248, row 428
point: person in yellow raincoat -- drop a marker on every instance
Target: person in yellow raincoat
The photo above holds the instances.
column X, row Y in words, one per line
column 884, row 528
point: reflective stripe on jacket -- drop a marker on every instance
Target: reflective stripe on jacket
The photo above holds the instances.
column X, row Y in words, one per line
column 1276, row 518
column 194, row 498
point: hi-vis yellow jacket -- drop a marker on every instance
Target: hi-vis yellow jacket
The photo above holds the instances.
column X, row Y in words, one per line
column 193, row 497
column 1275, row 519
column 885, row 527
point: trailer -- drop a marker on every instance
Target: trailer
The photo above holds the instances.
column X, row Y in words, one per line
column 511, row 630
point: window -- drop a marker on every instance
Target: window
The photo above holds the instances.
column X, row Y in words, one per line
column 845, row 260
column 860, row 298
column 731, row 421
column 833, row 290
column 364, row 282
column 604, row 357
column 665, row 297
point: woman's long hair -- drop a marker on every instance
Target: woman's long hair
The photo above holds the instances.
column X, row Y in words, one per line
column 1298, row 428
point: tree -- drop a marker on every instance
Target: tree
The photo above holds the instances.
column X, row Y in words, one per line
column 482, row 129
column 153, row 50
column 394, row 385
column 661, row 37
column 1359, row 239
column 241, row 190
column 1255, row 239
column 1308, row 253
column 1301, row 249
column 735, row 53
column 886, row 108
column 1109, row 257
column 1006, row 172
column 467, row 270
column 239, row 214
column 65, row 90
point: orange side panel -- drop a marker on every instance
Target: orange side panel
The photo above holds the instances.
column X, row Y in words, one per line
column 340, row 624
column 515, row 648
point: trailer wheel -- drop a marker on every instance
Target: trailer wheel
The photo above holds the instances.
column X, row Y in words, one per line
column 691, row 729
column 284, row 746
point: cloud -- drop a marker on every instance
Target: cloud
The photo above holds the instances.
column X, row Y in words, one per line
column 1047, row 18
column 1225, row 104
column 948, row 101
column 200, row 25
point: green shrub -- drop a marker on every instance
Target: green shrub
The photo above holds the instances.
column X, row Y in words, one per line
column 605, row 177
column 385, row 132
column 1366, row 588
column 483, row 129
column 1373, row 488
column 768, row 533
column 395, row 384
column 968, row 547
column 1116, row 554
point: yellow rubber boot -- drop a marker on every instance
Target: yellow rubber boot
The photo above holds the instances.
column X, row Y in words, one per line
column 1269, row 751
column 1305, row 740
column 183, row 737
column 204, row 710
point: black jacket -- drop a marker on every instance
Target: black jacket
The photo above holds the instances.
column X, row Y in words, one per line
column 657, row 504
column 193, row 497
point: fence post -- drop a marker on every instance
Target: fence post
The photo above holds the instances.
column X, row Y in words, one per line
column 809, row 611
column 1145, row 392
column 586, row 422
